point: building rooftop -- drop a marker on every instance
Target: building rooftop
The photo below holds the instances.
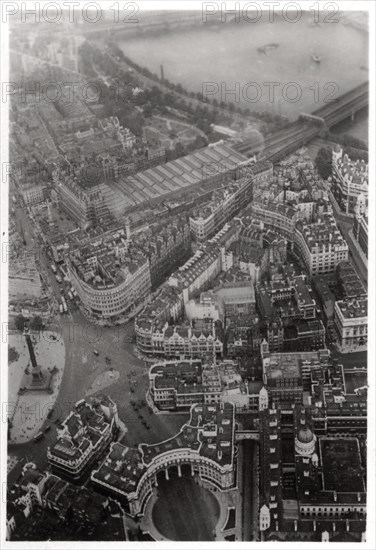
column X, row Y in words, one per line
column 181, row 174
column 157, row 312
column 107, row 261
column 84, row 427
column 122, row 469
column 240, row 292
column 322, row 233
column 354, row 171
column 302, row 292
column 210, row 432
column 283, row 365
column 355, row 308
column 276, row 207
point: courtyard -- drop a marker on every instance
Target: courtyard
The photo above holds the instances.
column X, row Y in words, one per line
column 341, row 465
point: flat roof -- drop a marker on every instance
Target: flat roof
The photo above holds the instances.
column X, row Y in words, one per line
column 285, row 365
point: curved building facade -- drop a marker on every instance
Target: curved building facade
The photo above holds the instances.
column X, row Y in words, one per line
column 205, row 443
column 111, row 300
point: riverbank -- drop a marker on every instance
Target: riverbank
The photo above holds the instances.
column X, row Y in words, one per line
column 229, row 62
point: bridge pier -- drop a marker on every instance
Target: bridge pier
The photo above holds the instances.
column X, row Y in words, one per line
column 192, row 470
column 179, row 470
column 166, row 474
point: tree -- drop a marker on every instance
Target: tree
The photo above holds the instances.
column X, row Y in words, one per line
column 351, row 141
column 324, row 162
column 199, row 142
column 179, row 150
column 147, row 110
column 20, row 323
column 36, row 323
column 356, row 154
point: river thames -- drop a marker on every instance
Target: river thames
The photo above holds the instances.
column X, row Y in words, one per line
column 227, row 58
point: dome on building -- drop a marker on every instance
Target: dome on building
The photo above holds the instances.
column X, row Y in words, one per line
column 305, row 435
column 305, row 442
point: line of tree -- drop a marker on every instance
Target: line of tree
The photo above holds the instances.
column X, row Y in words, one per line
column 270, row 118
column 352, row 146
column 324, row 162
column 36, row 323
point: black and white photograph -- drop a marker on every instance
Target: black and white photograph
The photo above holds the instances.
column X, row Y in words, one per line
column 187, row 202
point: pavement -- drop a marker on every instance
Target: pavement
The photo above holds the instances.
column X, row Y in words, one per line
column 102, row 381
column 29, row 411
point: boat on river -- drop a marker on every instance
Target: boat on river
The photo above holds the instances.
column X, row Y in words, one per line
column 268, row 48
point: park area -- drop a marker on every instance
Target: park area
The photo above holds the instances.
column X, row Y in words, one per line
column 165, row 132
column 341, row 464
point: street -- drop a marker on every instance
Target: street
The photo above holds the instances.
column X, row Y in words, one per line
column 82, row 367
column 249, row 490
column 345, row 225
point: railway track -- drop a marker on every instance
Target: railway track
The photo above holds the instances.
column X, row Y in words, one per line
column 303, row 130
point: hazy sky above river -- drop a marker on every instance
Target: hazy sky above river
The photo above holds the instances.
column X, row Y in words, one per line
column 228, row 54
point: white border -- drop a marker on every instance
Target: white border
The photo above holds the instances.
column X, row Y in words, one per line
column 350, row 5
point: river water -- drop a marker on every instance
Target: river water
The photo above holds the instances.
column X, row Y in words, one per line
column 227, row 58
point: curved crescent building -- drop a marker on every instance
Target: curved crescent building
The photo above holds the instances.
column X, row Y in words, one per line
column 206, row 443
column 110, row 275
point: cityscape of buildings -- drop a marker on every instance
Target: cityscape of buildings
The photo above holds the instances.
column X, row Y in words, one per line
column 221, row 300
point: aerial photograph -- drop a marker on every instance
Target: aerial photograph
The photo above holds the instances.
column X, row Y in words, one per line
column 187, row 273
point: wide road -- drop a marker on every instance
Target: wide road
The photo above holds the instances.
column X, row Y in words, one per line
column 82, row 368
column 250, row 490
column 354, row 254
column 345, row 223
